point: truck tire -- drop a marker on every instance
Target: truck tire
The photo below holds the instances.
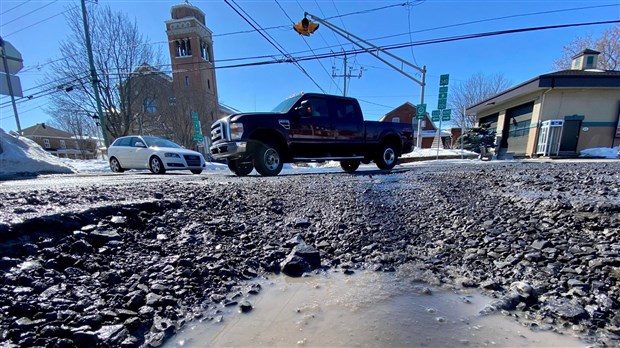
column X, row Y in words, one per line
column 240, row 167
column 267, row 159
column 349, row 166
column 386, row 158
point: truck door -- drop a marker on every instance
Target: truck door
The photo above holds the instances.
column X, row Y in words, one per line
column 312, row 132
column 349, row 127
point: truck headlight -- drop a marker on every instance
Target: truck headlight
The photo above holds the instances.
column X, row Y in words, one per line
column 236, row 131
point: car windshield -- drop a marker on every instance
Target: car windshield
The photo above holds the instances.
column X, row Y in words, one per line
column 160, row 142
column 286, row 105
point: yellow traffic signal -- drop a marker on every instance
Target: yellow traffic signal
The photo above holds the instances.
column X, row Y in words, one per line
column 305, row 27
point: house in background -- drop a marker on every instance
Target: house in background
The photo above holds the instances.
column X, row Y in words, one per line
column 556, row 114
column 406, row 114
column 61, row 143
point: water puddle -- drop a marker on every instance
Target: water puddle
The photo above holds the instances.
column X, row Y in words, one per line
column 367, row 309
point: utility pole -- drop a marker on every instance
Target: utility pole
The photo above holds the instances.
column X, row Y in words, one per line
column 93, row 74
column 346, row 75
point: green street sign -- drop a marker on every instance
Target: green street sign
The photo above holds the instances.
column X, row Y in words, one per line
column 445, row 114
column 443, row 89
column 443, row 95
column 420, row 110
column 443, row 102
column 444, row 79
column 435, row 118
column 435, row 115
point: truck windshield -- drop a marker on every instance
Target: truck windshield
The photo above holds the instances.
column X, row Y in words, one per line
column 286, row 105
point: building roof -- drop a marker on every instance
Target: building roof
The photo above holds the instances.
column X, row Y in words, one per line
column 43, row 130
column 405, row 105
column 586, row 51
column 148, row 69
column 589, row 78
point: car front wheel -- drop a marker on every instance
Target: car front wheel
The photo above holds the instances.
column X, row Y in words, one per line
column 196, row 171
column 156, row 165
column 267, row 159
column 386, row 158
column 115, row 165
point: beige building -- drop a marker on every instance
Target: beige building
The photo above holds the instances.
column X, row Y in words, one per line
column 556, row 114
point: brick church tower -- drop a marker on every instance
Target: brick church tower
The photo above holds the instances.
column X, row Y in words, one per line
column 193, row 73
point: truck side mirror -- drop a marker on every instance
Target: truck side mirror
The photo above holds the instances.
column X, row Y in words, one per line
column 304, row 109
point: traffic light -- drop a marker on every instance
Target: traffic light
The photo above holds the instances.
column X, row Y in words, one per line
column 305, row 27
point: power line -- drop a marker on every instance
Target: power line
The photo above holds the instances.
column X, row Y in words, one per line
column 371, row 39
column 307, row 44
column 14, row 7
column 290, row 59
column 41, row 21
column 35, row 10
column 273, row 43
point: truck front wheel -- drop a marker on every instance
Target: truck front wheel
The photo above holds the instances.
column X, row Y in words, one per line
column 240, row 167
column 349, row 166
column 386, row 158
column 267, row 159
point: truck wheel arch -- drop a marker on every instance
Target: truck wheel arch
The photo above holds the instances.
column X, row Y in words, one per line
column 272, row 136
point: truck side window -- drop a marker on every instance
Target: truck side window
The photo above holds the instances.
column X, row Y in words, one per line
column 319, row 107
column 344, row 110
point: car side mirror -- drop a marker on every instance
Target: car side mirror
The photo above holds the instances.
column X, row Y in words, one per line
column 139, row 144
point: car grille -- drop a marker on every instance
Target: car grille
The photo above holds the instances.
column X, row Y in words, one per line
column 192, row 160
column 218, row 132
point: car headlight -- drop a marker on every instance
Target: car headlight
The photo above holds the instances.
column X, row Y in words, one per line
column 236, row 131
column 171, row 155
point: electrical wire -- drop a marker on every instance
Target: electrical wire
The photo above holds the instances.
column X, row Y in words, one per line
column 307, row 44
column 14, row 7
column 39, row 22
column 273, row 43
column 289, row 59
column 22, row 16
column 372, row 39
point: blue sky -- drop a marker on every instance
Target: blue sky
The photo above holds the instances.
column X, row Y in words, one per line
column 35, row 28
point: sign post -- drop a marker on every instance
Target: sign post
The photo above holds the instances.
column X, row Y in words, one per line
column 442, row 114
column 12, row 63
column 198, row 137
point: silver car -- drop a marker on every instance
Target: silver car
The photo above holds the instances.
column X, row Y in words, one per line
column 156, row 154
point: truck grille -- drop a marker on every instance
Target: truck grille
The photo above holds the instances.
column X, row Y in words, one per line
column 192, row 160
column 218, row 132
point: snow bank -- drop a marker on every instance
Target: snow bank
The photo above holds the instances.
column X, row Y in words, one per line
column 24, row 156
column 600, row 152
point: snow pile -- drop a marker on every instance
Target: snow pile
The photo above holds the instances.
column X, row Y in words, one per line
column 24, row 156
column 431, row 153
column 600, row 152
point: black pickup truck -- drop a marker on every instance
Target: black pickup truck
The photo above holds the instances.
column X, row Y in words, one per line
column 308, row 128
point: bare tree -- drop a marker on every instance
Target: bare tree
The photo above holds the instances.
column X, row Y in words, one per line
column 118, row 49
column 471, row 91
column 608, row 44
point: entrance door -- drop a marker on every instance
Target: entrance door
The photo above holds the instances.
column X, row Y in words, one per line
column 570, row 136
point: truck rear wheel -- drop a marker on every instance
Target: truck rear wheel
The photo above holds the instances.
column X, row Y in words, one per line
column 241, row 167
column 267, row 159
column 350, row 165
column 386, row 158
